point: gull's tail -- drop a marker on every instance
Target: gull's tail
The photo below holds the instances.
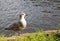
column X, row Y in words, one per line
column 7, row 29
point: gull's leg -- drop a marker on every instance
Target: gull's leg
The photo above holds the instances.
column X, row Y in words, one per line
column 16, row 33
column 20, row 33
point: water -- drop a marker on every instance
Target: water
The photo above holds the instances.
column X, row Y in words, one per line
column 42, row 14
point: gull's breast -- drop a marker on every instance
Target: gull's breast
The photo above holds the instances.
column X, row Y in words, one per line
column 23, row 22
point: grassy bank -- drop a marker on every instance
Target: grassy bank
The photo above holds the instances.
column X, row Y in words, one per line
column 37, row 36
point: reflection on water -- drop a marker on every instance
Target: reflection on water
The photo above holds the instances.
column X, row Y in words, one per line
column 43, row 14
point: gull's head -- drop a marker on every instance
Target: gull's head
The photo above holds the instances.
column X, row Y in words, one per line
column 22, row 15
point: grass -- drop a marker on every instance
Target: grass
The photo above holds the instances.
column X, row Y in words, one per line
column 37, row 36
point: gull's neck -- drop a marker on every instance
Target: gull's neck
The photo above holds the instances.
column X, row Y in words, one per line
column 22, row 19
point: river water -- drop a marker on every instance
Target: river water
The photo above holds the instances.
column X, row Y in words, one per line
column 42, row 14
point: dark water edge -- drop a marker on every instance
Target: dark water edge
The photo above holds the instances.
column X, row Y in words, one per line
column 42, row 14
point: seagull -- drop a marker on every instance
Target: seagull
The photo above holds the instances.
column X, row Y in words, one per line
column 19, row 25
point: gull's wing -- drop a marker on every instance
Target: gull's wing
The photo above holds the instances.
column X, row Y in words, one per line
column 15, row 26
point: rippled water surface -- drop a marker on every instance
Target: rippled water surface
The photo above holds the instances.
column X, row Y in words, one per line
column 42, row 14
